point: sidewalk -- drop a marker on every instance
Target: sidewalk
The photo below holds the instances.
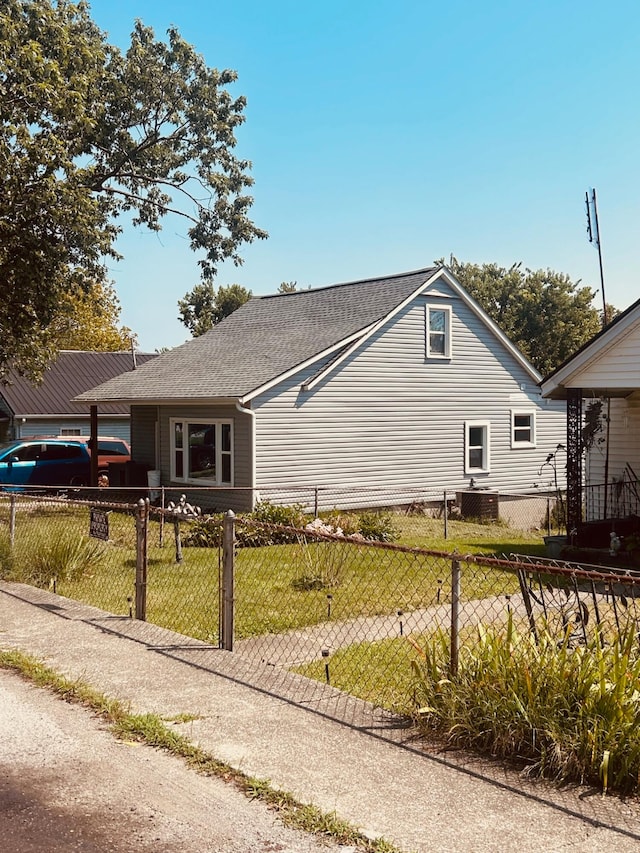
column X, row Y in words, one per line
column 331, row 750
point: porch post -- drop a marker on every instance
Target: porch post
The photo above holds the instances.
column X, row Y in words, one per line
column 574, row 458
column 93, row 429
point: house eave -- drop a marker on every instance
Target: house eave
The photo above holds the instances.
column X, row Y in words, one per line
column 165, row 401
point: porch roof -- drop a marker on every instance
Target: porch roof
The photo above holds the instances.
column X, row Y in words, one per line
column 606, row 366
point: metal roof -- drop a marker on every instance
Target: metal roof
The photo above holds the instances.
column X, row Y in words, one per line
column 69, row 375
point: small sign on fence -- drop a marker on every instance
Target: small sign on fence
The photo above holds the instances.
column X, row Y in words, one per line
column 99, row 523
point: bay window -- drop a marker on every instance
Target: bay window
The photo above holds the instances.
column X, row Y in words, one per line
column 202, row 452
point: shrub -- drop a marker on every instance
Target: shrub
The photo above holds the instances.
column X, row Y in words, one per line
column 266, row 513
column 288, row 516
column 348, row 522
column 378, row 526
column 204, row 532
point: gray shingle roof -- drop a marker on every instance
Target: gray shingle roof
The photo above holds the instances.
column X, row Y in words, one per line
column 262, row 340
column 69, row 375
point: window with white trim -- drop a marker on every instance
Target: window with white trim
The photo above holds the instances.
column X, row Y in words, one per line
column 202, row 452
column 477, row 447
column 438, row 331
column 70, row 431
column 523, row 428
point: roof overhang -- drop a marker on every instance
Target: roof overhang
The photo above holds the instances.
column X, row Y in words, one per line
column 568, row 375
column 163, row 401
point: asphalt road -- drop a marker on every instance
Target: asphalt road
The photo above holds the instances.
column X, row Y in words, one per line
column 66, row 784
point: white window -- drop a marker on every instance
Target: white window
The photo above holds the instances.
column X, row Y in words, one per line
column 438, row 331
column 477, row 447
column 523, row 429
column 202, row 452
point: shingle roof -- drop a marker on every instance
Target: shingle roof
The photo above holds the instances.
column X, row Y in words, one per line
column 69, row 375
column 262, row 340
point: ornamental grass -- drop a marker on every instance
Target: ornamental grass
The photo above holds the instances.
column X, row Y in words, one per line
column 565, row 710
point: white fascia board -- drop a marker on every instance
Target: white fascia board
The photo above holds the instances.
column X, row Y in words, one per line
column 165, row 401
column 598, row 347
column 261, row 389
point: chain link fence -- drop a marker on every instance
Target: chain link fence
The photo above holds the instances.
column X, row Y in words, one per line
column 345, row 611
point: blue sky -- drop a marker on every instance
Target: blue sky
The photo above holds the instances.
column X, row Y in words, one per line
column 386, row 135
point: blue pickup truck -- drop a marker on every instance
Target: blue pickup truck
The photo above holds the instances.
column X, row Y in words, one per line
column 41, row 462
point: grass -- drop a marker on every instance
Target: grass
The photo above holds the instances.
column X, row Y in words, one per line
column 268, row 593
column 372, row 672
column 152, row 730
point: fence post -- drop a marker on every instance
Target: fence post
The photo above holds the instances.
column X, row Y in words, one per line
column 228, row 543
column 178, row 539
column 161, row 539
column 12, row 521
column 455, row 616
column 142, row 530
column 446, row 515
column 548, row 516
column 315, row 502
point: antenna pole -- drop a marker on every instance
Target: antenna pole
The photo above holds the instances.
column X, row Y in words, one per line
column 593, row 229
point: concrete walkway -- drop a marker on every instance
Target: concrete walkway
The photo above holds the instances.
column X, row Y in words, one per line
column 324, row 748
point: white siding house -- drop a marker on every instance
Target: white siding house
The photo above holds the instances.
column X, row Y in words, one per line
column 376, row 392
column 603, row 480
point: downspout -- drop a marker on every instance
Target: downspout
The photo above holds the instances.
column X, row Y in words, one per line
column 252, row 466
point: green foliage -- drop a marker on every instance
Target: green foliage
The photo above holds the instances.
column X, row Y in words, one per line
column 87, row 133
column 348, row 522
column 545, row 314
column 568, row 712
column 288, row 287
column 203, row 532
column 593, row 425
column 378, row 526
column 6, row 556
column 204, row 306
column 66, row 558
column 267, row 513
column 89, row 321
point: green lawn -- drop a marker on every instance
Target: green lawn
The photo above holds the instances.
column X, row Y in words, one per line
column 277, row 588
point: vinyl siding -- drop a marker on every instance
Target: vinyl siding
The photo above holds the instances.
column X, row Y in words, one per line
column 116, row 427
column 624, row 443
column 388, row 418
column 143, row 445
column 616, row 367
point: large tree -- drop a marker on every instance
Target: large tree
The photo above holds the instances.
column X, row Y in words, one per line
column 91, row 321
column 204, row 306
column 87, row 133
column 545, row 314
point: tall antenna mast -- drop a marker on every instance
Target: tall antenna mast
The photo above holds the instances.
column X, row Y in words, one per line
column 593, row 230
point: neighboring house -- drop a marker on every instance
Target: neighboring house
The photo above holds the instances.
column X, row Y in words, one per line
column 48, row 408
column 602, row 378
column 373, row 391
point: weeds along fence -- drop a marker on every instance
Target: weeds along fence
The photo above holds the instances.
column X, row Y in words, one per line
column 358, row 614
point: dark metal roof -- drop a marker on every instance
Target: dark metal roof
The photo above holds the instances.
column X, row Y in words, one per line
column 262, row 340
column 69, row 375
